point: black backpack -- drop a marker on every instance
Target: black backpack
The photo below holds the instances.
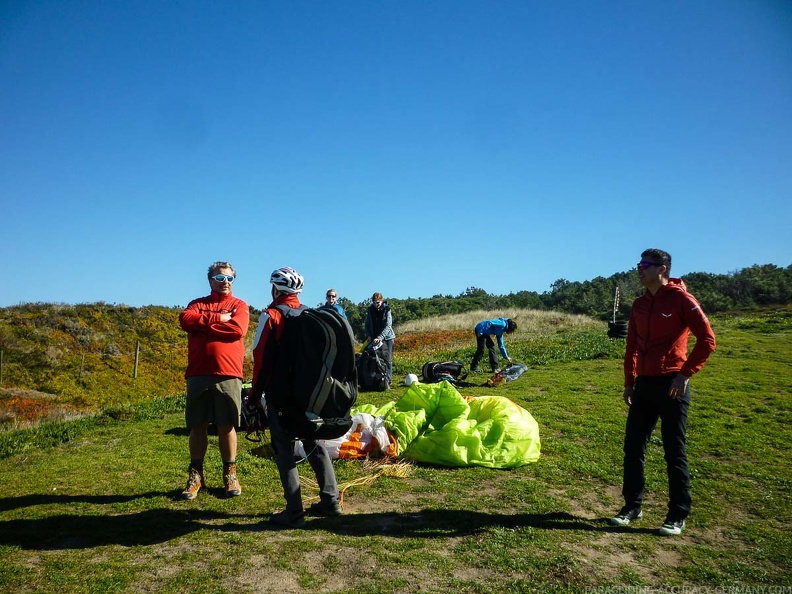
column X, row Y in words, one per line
column 372, row 371
column 313, row 385
column 437, row 371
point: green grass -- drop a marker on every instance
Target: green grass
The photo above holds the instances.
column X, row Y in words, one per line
column 92, row 505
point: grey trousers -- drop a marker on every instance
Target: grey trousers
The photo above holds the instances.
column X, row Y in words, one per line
column 287, row 467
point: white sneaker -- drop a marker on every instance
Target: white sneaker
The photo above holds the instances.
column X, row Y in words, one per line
column 625, row 516
column 672, row 528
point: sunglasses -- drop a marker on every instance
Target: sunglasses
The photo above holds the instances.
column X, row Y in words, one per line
column 644, row 265
column 223, row 277
column 378, row 303
column 329, row 296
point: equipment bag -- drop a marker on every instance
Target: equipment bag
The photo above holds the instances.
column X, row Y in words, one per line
column 252, row 417
column 372, row 371
column 314, row 384
column 437, row 371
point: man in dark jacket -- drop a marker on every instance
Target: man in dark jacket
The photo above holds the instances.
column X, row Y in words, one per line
column 378, row 325
column 656, row 373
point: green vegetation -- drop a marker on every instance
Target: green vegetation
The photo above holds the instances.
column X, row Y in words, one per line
column 759, row 285
column 96, row 355
column 92, row 506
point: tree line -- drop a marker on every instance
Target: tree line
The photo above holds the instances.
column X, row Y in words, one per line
column 755, row 286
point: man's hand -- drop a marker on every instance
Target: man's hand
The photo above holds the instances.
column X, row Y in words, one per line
column 225, row 317
column 627, row 395
column 678, row 386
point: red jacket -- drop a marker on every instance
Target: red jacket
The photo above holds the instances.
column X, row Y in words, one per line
column 657, row 336
column 215, row 347
column 269, row 328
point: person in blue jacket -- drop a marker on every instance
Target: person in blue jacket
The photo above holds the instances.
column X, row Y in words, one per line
column 332, row 302
column 484, row 332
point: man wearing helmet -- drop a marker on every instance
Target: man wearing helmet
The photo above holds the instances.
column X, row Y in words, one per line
column 484, row 332
column 286, row 284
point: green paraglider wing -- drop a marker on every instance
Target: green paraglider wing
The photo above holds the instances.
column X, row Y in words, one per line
column 435, row 424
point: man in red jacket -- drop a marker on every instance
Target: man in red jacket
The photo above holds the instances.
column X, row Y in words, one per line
column 216, row 326
column 656, row 373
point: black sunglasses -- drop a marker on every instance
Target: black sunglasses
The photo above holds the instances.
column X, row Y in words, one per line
column 643, row 265
column 223, row 277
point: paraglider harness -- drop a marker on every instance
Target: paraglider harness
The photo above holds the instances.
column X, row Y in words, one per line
column 253, row 418
column 450, row 371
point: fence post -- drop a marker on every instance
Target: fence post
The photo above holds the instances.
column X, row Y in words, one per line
column 137, row 359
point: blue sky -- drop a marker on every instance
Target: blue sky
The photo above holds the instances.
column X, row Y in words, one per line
column 413, row 148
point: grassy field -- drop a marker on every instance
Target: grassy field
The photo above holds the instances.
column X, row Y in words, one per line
column 100, row 512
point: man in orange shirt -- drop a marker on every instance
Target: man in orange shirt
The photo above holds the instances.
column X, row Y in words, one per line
column 216, row 326
column 657, row 371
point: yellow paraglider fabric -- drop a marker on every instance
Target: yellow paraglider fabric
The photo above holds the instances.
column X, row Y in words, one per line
column 435, row 424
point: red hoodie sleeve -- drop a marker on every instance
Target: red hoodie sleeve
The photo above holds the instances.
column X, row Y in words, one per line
column 203, row 316
column 261, row 366
column 700, row 327
column 631, row 352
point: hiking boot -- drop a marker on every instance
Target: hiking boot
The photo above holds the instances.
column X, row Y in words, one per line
column 230, row 481
column 325, row 509
column 496, row 370
column 626, row 515
column 287, row 519
column 672, row 527
column 195, row 481
column 475, row 370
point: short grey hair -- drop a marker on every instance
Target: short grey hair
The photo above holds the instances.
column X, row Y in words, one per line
column 215, row 269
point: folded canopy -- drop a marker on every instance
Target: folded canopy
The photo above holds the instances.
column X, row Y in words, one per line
column 435, row 424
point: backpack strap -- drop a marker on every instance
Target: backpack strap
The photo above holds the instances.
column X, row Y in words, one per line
column 290, row 311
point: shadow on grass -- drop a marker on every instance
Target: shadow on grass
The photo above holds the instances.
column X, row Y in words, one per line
column 84, row 532
column 157, row 526
column 445, row 523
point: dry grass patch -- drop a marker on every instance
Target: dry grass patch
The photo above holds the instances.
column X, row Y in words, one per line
column 529, row 321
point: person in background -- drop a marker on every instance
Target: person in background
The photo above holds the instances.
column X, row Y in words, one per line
column 332, row 302
column 216, row 326
column 657, row 370
column 286, row 284
column 485, row 330
column 379, row 330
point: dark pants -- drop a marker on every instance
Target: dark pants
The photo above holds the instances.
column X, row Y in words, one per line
column 651, row 402
column 287, row 467
column 387, row 352
column 483, row 340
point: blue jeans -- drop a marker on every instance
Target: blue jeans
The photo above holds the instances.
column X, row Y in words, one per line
column 287, row 467
column 651, row 402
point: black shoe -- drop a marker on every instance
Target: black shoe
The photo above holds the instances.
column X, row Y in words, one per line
column 626, row 515
column 325, row 509
column 672, row 527
column 475, row 370
column 286, row 519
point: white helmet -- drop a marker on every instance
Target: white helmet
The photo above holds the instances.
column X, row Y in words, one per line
column 287, row 280
column 410, row 379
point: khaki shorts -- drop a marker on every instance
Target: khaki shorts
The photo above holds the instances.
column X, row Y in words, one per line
column 215, row 399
